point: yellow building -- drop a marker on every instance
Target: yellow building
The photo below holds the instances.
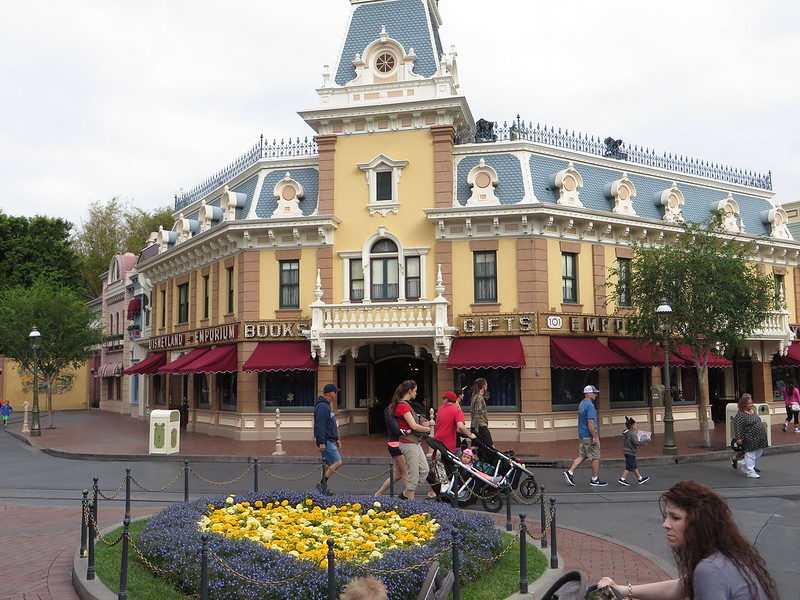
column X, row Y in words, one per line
column 408, row 241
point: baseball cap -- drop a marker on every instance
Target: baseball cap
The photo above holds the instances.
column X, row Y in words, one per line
column 590, row 389
column 450, row 396
column 468, row 452
column 330, row 388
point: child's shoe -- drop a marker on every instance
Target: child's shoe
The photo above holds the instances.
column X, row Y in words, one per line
column 643, row 480
column 621, row 481
column 784, row 427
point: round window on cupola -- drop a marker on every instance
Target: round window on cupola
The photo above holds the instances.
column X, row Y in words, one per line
column 385, row 63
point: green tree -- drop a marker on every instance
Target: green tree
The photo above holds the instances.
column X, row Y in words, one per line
column 64, row 320
column 717, row 294
column 36, row 248
column 113, row 228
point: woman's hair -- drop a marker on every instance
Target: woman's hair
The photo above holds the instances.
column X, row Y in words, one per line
column 743, row 401
column 629, row 421
column 364, row 588
column 402, row 390
column 710, row 528
column 790, row 387
column 478, row 385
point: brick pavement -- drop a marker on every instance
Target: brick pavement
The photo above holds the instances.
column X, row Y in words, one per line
column 38, row 543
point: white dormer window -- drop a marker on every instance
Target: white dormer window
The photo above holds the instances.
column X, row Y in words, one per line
column 383, row 178
column 482, row 179
column 623, row 192
column 777, row 219
column 672, row 201
column 729, row 211
column 289, row 193
column 568, row 182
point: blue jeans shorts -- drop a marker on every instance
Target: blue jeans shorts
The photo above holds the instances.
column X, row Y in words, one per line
column 331, row 453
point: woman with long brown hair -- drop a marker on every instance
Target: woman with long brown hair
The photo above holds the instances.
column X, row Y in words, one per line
column 416, row 462
column 715, row 561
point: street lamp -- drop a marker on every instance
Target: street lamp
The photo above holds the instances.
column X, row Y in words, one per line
column 35, row 338
column 664, row 318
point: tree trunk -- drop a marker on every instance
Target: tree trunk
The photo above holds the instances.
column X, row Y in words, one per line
column 703, row 407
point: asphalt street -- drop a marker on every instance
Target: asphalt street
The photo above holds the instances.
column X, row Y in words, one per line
column 766, row 509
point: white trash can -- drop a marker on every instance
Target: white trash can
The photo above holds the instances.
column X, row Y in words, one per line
column 165, row 431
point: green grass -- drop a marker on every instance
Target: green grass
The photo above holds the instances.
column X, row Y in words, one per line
column 143, row 585
column 504, row 579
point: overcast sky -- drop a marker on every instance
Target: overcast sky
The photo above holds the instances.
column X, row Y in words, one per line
column 137, row 100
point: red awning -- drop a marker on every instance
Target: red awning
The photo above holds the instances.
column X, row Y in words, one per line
column 148, row 366
column 790, row 359
column 113, row 369
column 486, row 353
column 183, row 360
column 714, row 360
column 221, row 359
column 585, row 353
column 281, row 356
column 134, row 307
column 643, row 352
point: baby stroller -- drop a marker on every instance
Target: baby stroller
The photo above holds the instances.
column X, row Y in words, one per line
column 505, row 465
column 572, row 586
column 467, row 483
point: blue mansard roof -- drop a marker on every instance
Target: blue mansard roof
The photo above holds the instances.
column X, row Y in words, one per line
column 511, row 188
column 406, row 21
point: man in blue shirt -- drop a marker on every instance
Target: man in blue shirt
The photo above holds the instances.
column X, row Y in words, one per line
column 589, row 438
column 326, row 433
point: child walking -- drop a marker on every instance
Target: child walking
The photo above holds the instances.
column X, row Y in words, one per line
column 630, row 445
column 5, row 411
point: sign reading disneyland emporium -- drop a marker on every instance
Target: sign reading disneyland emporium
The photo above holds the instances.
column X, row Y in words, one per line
column 209, row 335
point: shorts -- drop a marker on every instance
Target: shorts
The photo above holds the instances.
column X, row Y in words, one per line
column 331, row 453
column 394, row 450
column 630, row 462
column 587, row 450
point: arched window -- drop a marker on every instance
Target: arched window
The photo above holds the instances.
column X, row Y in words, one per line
column 385, row 270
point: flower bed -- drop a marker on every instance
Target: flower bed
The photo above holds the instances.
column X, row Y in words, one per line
column 391, row 538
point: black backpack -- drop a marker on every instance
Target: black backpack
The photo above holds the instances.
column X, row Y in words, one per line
column 391, row 423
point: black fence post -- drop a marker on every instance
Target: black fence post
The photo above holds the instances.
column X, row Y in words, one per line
column 456, row 567
column 204, row 567
column 185, row 480
column 90, row 540
column 127, row 493
column 255, row 474
column 331, row 570
column 543, row 519
column 84, row 521
column 391, row 478
column 123, row 570
column 553, row 547
column 95, row 498
column 508, row 508
column 523, row 555
column 322, row 480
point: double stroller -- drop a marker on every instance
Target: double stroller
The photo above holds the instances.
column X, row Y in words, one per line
column 506, row 465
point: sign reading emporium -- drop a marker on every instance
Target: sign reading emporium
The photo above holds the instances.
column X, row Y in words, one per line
column 211, row 335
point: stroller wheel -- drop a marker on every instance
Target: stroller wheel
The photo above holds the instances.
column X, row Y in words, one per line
column 493, row 502
column 529, row 488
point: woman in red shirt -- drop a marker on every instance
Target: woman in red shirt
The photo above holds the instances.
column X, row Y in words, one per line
column 411, row 429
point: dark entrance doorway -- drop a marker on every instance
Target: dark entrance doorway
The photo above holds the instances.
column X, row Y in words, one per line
column 391, row 371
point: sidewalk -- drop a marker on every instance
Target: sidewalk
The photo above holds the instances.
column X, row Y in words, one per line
column 40, row 564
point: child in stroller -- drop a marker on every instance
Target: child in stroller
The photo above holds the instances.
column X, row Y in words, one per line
column 505, row 465
column 466, row 483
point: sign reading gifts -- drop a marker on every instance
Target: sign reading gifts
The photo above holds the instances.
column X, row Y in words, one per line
column 583, row 324
column 498, row 324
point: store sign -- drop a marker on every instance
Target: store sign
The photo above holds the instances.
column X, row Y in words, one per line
column 498, row 324
column 582, row 324
column 214, row 335
column 283, row 330
column 165, row 342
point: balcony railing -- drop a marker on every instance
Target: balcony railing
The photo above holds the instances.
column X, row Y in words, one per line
column 774, row 327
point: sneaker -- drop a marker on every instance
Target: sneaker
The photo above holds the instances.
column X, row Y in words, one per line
column 754, row 475
column 402, row 496
column 734, row 462
column 643, row 480
column 570, row 479
column 597, row 483
column 757, row 470
column 784, row 427
column 621, row 481
column 796, row 430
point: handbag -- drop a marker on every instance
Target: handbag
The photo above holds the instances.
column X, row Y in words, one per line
column 795, row 406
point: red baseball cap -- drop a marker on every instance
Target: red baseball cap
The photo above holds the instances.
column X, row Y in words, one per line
column 450, row 396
